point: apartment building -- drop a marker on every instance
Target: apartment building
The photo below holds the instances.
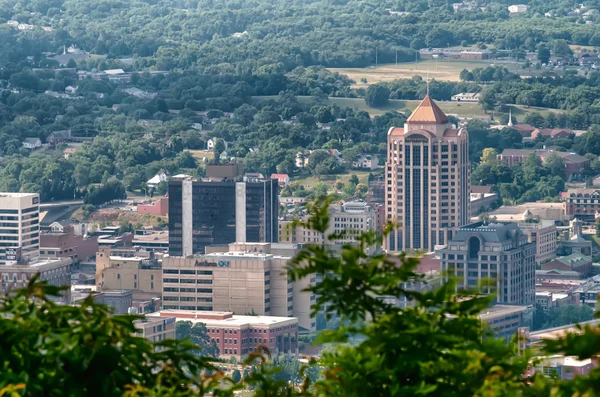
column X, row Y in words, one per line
column 427, row 180
column 19, row 227
column 238, row 335
column 499, row 252
column 240, row 278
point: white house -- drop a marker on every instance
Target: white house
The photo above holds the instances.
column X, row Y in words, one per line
column 282, row 179
column 466, row 97
column 210, row 144
column 366, row 161
column 197, row 126
column 517, row 8
column 32, row 143
column 161, row 176
column 302, row 158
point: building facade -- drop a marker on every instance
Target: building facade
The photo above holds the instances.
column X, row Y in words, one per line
column 155, row 329
column 203, row 212
column 19, row 227
column 237, row 336
column 582, row 203
column 427, row 180
column 544, row 235
column 55, row 271
column 498, row 252
column 67, row 244
column 241, row 278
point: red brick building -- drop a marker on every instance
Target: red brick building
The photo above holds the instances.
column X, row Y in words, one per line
column 66, row 244
column 159, row 207
column 236, row 336
column 574, row 163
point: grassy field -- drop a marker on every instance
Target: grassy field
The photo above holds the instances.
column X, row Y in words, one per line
column 199, row 154
column 443, row 69
column 309, row 181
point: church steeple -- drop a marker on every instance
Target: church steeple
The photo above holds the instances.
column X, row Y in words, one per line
column 510, row 123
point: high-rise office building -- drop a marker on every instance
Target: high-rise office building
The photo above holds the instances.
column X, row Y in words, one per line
column 427, row 189
column 221, row 209
column 19, row 227
column 499, row 252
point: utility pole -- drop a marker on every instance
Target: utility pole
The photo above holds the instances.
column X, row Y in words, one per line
column 376, row 57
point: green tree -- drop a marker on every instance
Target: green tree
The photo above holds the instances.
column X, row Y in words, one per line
column 354, row 179
column 489, row 156
column 198, row 334
column 236, row 376
column 439, row 347
column 218, row 149
column 543, row 53
column 568, row 314
column 377, row 95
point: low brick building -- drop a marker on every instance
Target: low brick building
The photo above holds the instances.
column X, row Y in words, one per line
column 574, row 163
column 67, row 244
column 160, row 207
column 236, row 336
column 582, row 203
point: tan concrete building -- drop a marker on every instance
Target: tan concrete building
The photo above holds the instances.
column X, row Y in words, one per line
column 427, row 180
column 19, row 227
column 544, row 235
column 240, row 278
column 116, row 269
column 353, row 218
column 155, row 329
column 56, row 271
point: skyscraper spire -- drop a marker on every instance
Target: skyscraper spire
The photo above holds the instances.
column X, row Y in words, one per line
column 510, row 123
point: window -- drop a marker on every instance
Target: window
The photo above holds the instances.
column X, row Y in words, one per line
column 118, row 276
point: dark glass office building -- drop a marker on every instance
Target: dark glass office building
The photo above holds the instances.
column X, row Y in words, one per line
column 204, row 213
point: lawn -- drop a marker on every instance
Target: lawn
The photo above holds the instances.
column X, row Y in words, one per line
column 309, row 181
column 199, row 154
column 443, row 69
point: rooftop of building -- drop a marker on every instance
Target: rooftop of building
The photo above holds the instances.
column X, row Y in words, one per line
column 497, row 311
column 557, row 272
column 19, row 195
column 557, row 332
column 566, row 156
column 491, row 232
column 428, row 112
column 224, row 319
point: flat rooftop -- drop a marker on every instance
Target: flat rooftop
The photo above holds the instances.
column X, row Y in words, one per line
column 501, row 311
column 232, row 320
column 19, row 195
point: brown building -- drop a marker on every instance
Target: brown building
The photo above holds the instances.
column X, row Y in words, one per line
column 236, row 336
column 427, row 180
column 67, row 244
column 582, row 203
column 574, row 163
column 155, row 329
column 553, row 133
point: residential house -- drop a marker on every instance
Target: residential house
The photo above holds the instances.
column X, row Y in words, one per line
column 210, row 144
column 466, row 97
column 58, row 137
column 32, row 143
column 366, row 161
column 524, row 129
column 136, row 92
column 197, row 126
column 161, row 176
column 465, row 6
column 302, row 158
column 517, row 8
column 283, row 179
column 69, row 151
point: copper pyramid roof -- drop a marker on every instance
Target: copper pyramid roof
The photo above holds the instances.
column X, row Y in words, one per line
column 428, row 112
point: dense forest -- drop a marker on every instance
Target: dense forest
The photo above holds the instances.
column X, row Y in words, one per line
column 235, row 71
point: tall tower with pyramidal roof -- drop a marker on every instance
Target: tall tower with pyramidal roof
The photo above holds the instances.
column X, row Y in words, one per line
column 427, row 180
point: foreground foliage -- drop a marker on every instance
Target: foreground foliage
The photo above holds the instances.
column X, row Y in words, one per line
column 437, row 347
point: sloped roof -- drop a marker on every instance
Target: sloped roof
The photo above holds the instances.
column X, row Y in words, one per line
column 428, row 112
